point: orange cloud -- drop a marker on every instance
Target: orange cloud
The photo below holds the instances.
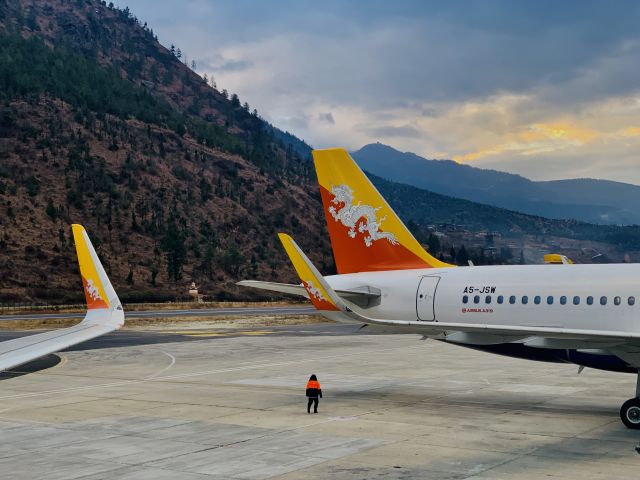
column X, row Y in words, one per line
column 630, row 132
column 536, row 138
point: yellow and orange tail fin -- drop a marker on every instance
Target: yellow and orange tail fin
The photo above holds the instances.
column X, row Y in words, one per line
column 366, row 234
column 98, row 290
column 320, row 294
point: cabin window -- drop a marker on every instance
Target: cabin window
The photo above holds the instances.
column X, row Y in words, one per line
column 576, row 300
column 500, row 299
column 512, row 299
column 550, row 300
column 476, row 299
column 617, row 300
column 537, row 299
column 525, row 300
column 465, row 299
column 563, row 300
column 589, row 300
column 603, row 300
column 631, row 301
column 487, row 299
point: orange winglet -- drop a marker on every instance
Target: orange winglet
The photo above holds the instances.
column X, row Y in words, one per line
column 94, row 290
column 313, row 284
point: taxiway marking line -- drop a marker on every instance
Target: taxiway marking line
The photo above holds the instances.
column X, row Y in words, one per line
column 217, row 333
column 173, row 362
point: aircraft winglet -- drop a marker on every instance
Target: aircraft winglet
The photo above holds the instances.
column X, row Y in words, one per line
column 98, row 290
column 320, row 293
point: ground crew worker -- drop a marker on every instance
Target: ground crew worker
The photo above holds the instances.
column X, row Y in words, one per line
column 314, row 392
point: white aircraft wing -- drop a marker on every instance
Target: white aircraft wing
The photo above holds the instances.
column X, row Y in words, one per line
column 104, row 312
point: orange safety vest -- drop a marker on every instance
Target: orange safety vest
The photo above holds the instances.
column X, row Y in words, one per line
column 313, row 384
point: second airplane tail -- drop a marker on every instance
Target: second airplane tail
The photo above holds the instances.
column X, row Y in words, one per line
column 366, row 234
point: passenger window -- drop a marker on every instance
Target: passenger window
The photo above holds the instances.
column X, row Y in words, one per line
column 525, row 300
column 465, row 299
column 589, row 300
column 603, row 300
column 476, row 299
column 487, row 299
column 563, row 300
column 536, row 299
column 550, row 300
column 576, row 300
column 500, row 299
column 512, row 299
column 617, row 300
column 632, row 301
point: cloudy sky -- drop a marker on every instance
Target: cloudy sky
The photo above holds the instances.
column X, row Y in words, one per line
column 547, row 89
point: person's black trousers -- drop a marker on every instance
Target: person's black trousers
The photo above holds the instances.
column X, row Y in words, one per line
column 315, row 406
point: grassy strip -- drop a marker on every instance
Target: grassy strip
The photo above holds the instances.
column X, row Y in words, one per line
column 137, row 307
column 197, row 322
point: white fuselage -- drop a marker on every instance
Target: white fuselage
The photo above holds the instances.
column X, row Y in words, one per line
column 576, row 292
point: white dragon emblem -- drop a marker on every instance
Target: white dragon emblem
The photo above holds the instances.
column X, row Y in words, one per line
column 362, row 218
column 92, row 291
column 314, row 292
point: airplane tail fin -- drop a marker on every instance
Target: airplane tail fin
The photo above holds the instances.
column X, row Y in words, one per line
column 98, row 291
column 366, row 234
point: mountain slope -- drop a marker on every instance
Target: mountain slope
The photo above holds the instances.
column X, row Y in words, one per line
column 427, row 208
column 174, row 181
column 595, row 201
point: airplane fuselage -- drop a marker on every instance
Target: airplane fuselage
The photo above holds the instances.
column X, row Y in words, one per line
column 590, row 297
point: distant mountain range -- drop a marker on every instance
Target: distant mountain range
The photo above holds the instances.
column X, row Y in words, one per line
column 588, row 200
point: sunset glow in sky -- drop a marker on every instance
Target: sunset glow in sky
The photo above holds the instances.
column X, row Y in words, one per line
column 545, row 89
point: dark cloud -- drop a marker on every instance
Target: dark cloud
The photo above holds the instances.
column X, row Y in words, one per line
column 422, row 49
column 233, row 66
column 326, row 118
column 382, row 132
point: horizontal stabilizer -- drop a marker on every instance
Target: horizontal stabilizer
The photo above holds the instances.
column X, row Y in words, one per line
column 359, row 295
column 276, row 287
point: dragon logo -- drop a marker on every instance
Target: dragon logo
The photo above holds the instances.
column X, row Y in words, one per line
column 358, row 218
column 92, row 291
column 314, row 292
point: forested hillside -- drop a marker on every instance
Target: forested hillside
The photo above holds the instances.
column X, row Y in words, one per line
column 174, row 180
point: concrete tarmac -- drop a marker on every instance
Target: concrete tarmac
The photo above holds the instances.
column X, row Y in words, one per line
column 229, row 404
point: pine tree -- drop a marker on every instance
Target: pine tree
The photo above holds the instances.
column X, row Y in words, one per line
column 51, row 210
column 154, row 274
column 232, row 260
column 462, row 256
column 434, row 244
column 175, row 249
